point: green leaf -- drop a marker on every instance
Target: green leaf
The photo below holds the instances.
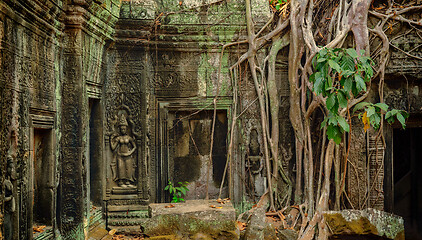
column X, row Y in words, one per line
column 360, row 105
column 347, row 63
column 331, row 101
column 382, row 106
column 312, row 77
column 360, row 84
column 391, row 113
column 329, row 83
column 342, row 101
column 334, row 65
column 337, row 138
column 369, row 72
column 343, row 124
column 404, row 113
column 401, row 120
column 347, row 73
column 352, row 52
column 332, row 120
column 331, row 131
column 277, row 7
column 375, row 120
column 321, row 60
column 166, row 188
column 370, row 111
column 323, row 52
column 348, row 82
column 319, row 83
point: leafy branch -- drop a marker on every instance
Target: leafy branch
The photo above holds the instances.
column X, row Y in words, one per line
column 340, row 75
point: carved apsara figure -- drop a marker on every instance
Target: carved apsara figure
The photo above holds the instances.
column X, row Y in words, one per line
column 123, row 164
column 9, row 199
column 254, row 166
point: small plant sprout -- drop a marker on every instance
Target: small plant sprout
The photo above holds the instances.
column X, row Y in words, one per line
column 177, row 192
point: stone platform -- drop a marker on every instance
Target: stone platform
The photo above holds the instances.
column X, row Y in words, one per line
column 205, row 218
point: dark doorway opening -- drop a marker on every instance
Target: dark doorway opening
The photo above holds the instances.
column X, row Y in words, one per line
column 407, row 175
column 43, row 177
column 95, row 142
column 190, row 141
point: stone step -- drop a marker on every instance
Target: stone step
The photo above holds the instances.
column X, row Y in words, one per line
column 125, row 222
column 126, row 218
column 128, row 214
column 124, row 208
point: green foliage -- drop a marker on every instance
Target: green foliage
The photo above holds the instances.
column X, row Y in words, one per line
column 277, row 3
column 177, row 192
column 371, row 115
column 340, row 74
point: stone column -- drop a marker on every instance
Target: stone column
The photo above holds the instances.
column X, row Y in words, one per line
column 74, row 110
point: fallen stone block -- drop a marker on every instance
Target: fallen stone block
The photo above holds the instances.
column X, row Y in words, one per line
column 360, row 223
column 201, row 219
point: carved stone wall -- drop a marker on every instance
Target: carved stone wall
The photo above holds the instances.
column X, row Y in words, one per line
column 43, row 87
column 56, row 56
column 28, row 82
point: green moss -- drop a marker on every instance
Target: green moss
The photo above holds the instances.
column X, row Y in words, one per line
column 339, row 225
column 173, row 224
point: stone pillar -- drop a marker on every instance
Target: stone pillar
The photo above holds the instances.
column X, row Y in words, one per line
column 70, row 194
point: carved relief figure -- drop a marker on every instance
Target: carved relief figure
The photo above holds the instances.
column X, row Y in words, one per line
column 123, row 146
column 254, row 165
column 9, row 200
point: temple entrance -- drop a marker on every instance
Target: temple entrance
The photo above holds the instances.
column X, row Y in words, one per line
column 43, row 177
column 95, row 143
column 189, row 151
column 94, row 153
column 407, row 175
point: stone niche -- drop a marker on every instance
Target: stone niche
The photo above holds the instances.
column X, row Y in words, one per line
column 126, row 170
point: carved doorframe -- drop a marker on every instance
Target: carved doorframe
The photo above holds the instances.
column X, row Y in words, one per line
column 42, row 120
column 162, row 144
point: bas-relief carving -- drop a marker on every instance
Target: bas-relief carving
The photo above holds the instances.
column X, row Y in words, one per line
column 9, row 199
column 254, row 166
column 123, row 146
column 175, row 74
column 400, row 63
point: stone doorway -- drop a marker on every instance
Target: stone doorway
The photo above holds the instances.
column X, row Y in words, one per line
column 189, row 151
column 94, row 154
column 43, row 168
column 407, row 169
column 95, row 150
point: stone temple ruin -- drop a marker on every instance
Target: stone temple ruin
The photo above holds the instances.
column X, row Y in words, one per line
column 103, row 102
